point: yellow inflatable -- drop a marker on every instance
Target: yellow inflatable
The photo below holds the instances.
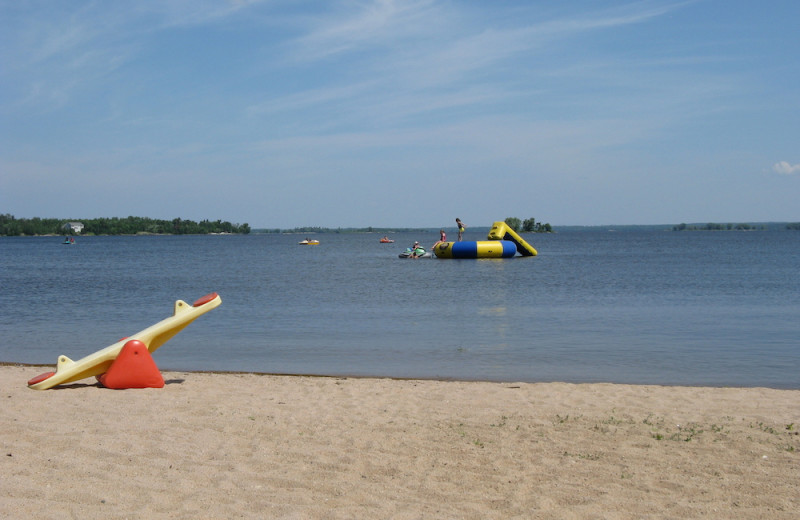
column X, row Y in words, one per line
column 501, row 231
column 503, row 242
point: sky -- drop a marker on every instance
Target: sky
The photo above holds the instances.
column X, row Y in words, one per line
column 289, row 113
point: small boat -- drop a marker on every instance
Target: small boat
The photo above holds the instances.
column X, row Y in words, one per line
column 385, row 240
column 308, row 242
column 70, row 241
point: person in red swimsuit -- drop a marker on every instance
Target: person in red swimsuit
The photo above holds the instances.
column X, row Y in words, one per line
column 442, row 239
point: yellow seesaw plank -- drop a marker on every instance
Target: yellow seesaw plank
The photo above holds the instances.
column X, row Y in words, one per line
column 154, row 336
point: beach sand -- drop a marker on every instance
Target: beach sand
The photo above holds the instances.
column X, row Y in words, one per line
column 263, row 446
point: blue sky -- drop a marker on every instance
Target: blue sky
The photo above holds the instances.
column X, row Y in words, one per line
column 285, row 113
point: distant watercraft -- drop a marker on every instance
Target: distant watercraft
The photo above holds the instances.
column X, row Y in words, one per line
column 418, row 252
column 308, row 242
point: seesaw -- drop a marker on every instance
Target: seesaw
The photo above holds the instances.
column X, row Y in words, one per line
column 137, row 349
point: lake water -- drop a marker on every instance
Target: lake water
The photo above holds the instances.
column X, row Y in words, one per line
column 653, row 307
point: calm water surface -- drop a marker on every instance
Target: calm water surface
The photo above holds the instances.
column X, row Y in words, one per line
column 650, row 307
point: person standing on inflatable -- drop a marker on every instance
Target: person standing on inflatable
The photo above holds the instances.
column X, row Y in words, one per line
column 461, row 228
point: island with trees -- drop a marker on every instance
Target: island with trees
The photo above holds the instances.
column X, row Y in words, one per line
column 11, row 226
column 529, row 225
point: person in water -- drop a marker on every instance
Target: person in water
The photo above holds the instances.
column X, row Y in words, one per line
column 461, row 228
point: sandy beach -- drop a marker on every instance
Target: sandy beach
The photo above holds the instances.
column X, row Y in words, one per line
column 262, row 446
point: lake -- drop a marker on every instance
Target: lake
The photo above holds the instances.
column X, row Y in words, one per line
column 642, row 307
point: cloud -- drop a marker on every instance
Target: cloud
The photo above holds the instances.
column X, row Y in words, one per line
column 354, row 27
column 784, row 168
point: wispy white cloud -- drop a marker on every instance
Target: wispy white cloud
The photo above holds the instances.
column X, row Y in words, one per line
column 784, row 168
column 173, row 13
column 412, row 53
column 52, row 50
column 417, row 88
column 400, row 60
column 425, row 24
column 627, row 14
column 350, row 27
column 432, row 39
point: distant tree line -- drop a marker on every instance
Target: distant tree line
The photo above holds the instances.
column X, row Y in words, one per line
column 525, row 226
column 10, row 226
column 719, row 227
column 317, row 229
column 529, row 225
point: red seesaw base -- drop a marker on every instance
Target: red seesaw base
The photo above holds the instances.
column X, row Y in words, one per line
column 133, row 368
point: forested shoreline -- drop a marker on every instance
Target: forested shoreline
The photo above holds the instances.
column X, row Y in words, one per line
column 735, row 227
column 11, row 226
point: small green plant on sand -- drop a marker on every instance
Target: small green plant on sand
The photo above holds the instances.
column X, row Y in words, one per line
column 501, row 423
column 764, row 428
column 583, row 456
column 686, row 433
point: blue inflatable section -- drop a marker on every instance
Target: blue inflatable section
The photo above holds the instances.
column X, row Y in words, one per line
column 486, row 249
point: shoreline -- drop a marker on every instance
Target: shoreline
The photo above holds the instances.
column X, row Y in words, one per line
column 222, row 445
column 50, row 367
